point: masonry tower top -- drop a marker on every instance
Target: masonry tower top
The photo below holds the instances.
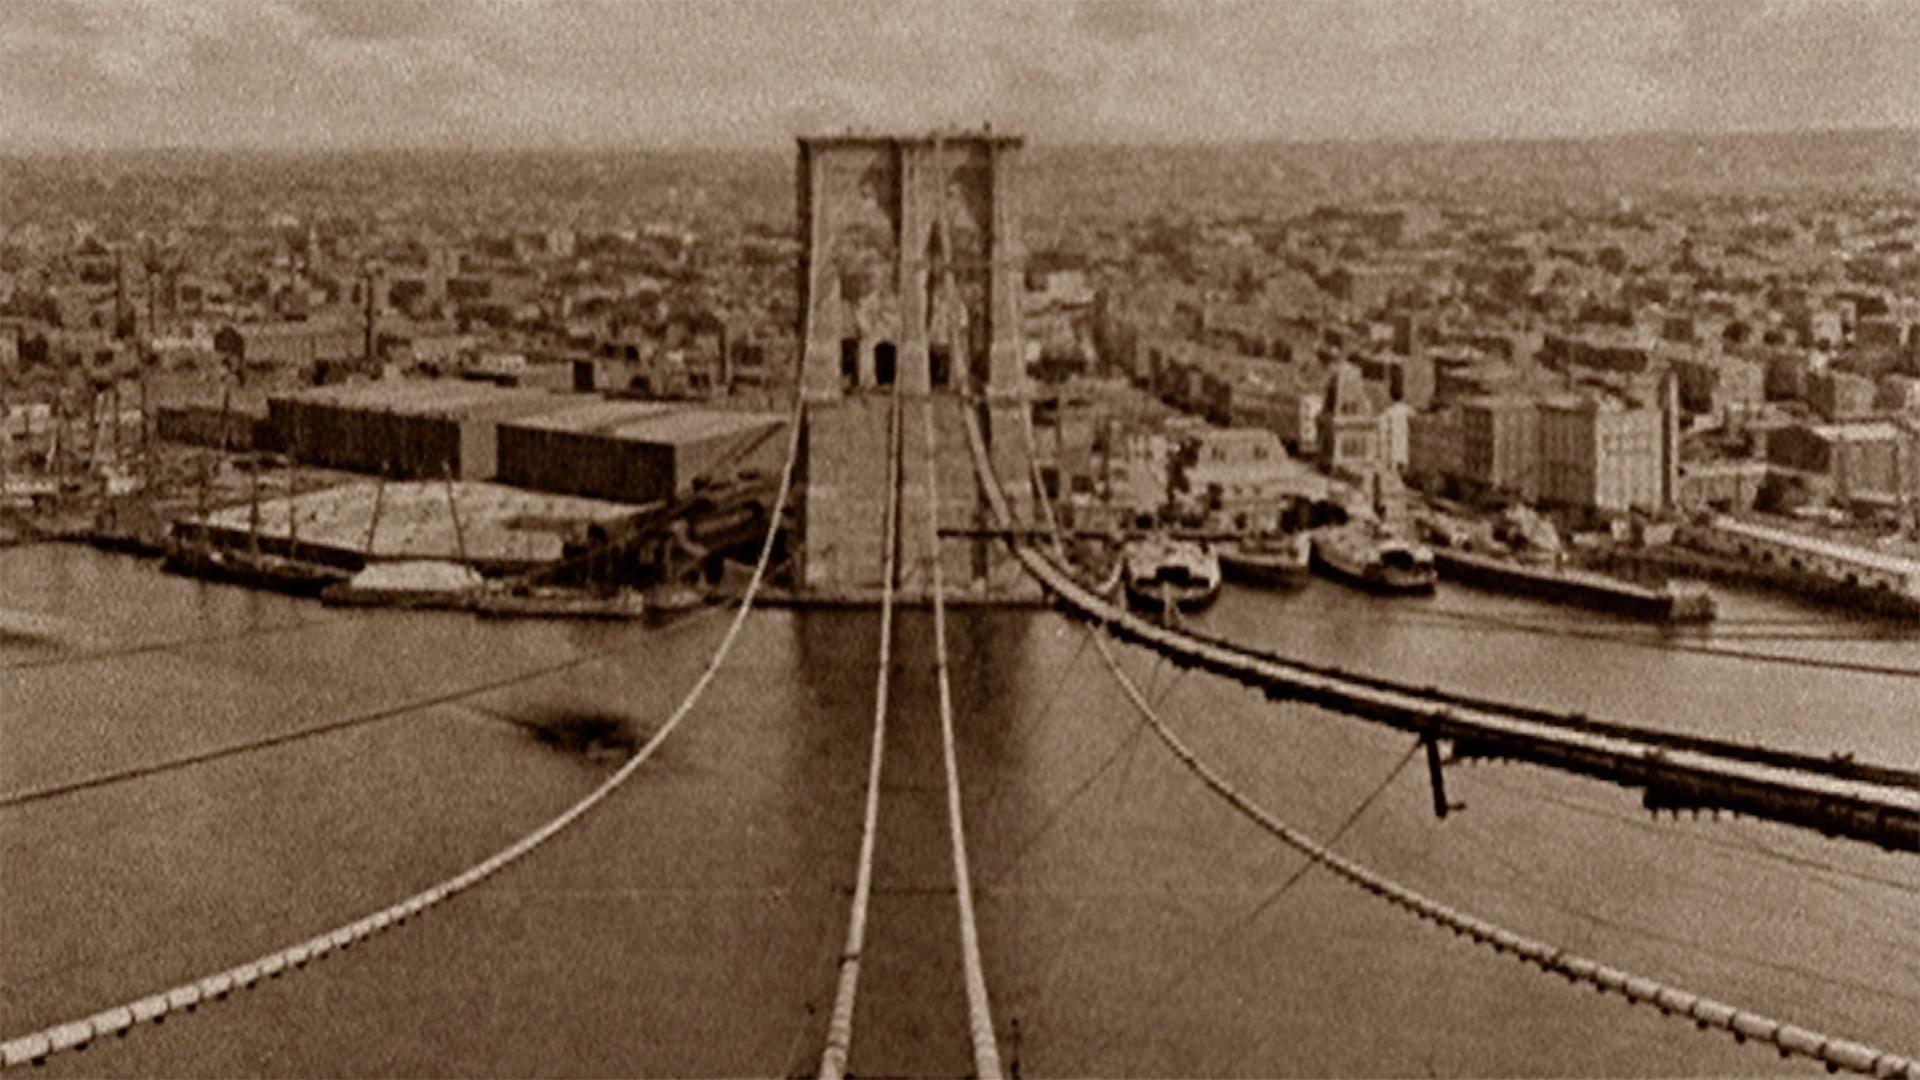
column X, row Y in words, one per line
column 910, row 282
column 910, row 264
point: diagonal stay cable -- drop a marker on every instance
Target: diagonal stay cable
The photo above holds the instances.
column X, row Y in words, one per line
column 114, row 652
column 1226, row 937
column 1126, row 746
column 1123, row 747
column 1167, row 688
column 833, row 1060
column 328, row 727
column 215, row 926
column 1750, row 849
column 119, row 1020
column 1533, row 885
column 1036, row 1005
column 1494, row 624
column 1061, row 675
column 1705, row 1012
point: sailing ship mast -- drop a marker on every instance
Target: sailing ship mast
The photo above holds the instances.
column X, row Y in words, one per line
column 293, row 493
column 453, row 508
column 253, row 510
column 373, row 522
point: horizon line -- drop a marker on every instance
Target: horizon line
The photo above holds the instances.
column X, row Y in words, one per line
column 484, row 147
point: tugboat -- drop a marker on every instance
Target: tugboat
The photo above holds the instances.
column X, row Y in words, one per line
column 1274, row 561
column 1373, row 559
column 1162, row 575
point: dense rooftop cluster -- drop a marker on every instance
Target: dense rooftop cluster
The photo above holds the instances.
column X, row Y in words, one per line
column 1604, row 328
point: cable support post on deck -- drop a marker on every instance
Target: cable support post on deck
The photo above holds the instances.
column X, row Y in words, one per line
column 35, row 1047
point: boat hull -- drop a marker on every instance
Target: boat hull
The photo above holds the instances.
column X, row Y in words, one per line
column 253, row 571
column 559, row 606
column 1376, row 579
column 1264, row 571
column 1584, row 590
column 1159, row 577
column 346, row 594
column 1157, row 601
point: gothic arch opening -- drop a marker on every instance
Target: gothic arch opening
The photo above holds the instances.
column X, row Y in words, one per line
column 939, row 366
column 849, row 362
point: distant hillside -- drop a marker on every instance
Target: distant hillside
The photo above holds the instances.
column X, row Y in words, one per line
column 1059, row 183
column 1282, row 176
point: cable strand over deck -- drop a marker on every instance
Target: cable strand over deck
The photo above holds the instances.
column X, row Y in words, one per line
column 833, row 1060
column 986, row 1053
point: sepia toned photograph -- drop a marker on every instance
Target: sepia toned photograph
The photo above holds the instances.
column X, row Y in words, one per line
column 960, row 538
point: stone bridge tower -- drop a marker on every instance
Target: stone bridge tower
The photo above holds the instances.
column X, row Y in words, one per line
column 910, row 274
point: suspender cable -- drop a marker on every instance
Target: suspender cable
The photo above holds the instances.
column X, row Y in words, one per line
column 986, row 1054
column 833, row 1060
column 76, row 1034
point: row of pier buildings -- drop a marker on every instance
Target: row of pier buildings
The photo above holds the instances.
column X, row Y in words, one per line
column 621, row 450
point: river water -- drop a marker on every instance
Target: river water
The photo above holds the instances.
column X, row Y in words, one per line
column 1131, row 923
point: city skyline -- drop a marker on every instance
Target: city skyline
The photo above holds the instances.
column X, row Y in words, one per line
column 340, row 75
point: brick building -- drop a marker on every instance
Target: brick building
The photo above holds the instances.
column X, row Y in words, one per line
column 1499, row 443
column 1434, row 447
column 1350, row 435
column 1840, row 395
column 1597, row 455
column 289, row 344
column 1870, row 457
column 1720, row 385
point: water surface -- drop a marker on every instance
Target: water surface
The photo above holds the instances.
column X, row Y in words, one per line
column 1132, row 924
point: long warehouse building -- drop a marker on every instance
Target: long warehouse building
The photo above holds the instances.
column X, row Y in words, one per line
column 407, row 429
column 636, row 451
column 567, row 444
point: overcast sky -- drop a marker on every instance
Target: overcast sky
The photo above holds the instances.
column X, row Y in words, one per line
column 341, row 73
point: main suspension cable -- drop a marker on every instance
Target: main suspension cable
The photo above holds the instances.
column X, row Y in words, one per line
column 833, row 1060
column 986, row 1053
